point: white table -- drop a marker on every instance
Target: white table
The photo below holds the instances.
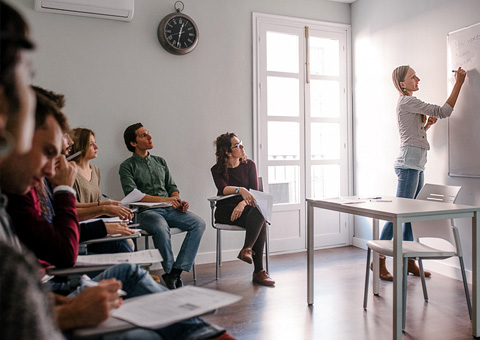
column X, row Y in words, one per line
column 398, row 211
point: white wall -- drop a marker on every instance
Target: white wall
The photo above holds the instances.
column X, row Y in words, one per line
column 387, row 34
column 116, row 73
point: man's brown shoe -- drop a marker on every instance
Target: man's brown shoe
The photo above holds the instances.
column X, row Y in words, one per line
column 262, row 278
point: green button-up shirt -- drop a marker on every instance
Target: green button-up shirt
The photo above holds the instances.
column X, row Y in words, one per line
column 150, row 175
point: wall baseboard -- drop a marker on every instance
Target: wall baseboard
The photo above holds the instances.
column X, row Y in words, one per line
column 437, row 266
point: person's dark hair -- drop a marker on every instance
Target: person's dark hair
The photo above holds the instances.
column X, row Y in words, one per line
column 81, row 141
column 13, row 37
column 46, row 107
column 57, row 98
column 223, row 144
column 130, row 135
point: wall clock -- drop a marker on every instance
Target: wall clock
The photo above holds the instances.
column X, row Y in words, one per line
column 177, row 32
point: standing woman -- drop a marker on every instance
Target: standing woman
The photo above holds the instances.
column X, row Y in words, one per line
column 235, row 174
column 410, row 163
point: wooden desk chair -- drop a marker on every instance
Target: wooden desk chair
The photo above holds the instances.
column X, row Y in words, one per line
column 229, row 227
column 421, row 248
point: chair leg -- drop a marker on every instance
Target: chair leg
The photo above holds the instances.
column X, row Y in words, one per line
column 267, row 253
column 194, row 271
column 367, row 279
column 146, row 242
column 465, row 286
column 404, row 287
column 218, row 258
column 422, row 277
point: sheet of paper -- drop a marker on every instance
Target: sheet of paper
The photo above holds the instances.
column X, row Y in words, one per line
column 104, row 219
column 134, row 196
column 264, row 203
column 151, row 204
column 137, row 257
column 159, row 310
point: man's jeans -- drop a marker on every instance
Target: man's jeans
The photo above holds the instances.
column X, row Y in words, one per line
column 157, row 222
column 410, row 182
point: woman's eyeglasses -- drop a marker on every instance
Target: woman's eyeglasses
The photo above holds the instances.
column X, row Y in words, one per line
column 240, row 144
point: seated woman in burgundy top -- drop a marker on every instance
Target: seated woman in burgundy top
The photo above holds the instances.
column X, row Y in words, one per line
column 235, row 174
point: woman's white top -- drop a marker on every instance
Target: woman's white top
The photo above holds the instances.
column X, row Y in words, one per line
column 413, row 137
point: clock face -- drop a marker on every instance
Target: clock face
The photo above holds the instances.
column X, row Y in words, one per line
column 178, row 34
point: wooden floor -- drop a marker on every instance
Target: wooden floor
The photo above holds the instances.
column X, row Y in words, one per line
column 282, row 312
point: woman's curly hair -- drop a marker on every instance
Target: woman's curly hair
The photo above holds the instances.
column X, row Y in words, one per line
column 223, row 144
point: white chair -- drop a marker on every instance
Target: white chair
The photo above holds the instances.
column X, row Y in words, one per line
column 424, row 233
column 219, row 227
column 173, row 231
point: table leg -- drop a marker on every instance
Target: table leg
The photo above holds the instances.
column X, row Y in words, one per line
column 397, row 280
column 475, row 274
column 310, row 253
column 376, row 274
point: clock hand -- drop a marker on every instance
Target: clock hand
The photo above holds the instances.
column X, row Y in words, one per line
column 180, row 35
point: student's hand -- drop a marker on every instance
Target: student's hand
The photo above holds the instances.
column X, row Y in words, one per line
column 91, row 307
column 460, row 75
column 430, row 122
column 65, row 172
column 110, row 202
column 118, row 211
column 238, row 211
column 118, row 228
column 183, row 207
column 247, row 197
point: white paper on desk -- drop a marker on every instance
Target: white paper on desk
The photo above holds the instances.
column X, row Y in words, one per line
column 136, row 231
column 161, row 309
column 151, row 204
column 106, row 220
column 134, row 196
column 137, row 257
column 264, row 203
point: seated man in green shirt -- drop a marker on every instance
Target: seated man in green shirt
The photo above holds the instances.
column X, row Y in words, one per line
column 151, row 176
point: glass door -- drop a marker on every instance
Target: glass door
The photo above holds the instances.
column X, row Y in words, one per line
column 302, row 129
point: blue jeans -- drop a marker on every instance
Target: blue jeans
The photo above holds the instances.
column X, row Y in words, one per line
column 410, row 182
column 158, row 222
column 137, row 282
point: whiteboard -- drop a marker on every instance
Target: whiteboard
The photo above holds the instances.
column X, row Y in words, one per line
column 463, row 48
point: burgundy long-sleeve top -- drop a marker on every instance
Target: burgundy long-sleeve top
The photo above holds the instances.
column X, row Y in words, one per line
column 55, row 243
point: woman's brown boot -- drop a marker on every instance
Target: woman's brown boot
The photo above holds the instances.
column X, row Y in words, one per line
column 413, row 268
column 384, row 274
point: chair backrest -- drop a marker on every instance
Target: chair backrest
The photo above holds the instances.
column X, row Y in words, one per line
column 439, row 193
column 443, row 229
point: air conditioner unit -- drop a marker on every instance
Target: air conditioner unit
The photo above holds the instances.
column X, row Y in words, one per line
column 106, row 9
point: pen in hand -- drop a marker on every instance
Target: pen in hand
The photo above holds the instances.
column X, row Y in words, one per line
column 88, row 282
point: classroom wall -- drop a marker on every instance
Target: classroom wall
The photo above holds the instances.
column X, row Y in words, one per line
column 386, row 34
column 116, row 73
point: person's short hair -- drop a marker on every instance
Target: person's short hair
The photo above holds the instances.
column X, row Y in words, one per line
column 13, row 38
column 46, row 107
column 398, row 76
column 130, row 135
column 57, row 98
column 81, row 141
